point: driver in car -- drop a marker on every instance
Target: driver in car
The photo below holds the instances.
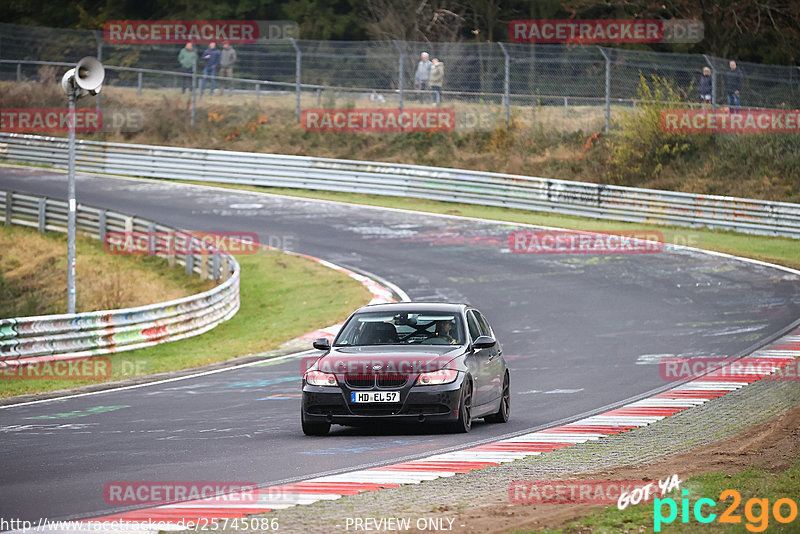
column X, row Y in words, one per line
column 443, row 331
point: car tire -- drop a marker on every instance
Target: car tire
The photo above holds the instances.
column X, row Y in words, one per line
column 464, row 423
column 501, row 416
column 313, row 428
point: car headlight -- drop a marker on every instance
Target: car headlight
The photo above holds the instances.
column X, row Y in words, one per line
column 435, row 378
column 318, row 378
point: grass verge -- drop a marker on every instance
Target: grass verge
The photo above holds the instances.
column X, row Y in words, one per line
column 780, row 250
column 282, row 297
column 748, row 516
column 33, row 275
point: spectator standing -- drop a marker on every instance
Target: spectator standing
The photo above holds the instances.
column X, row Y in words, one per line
column 187, row 57
column 422, row 76
column 227, row 59
column 437, row 80
column 705, row 86
column 212, row 57
column 733, row 86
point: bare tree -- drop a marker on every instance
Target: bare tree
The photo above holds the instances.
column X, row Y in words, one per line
column 414, row 20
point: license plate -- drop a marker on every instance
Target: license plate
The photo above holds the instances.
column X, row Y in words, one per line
column 374, row 396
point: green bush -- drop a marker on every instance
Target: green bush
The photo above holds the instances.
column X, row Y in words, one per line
column 639, row 147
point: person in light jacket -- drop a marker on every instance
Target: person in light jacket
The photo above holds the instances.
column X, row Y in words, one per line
column 227, row 59
column 423, row 76
column 437, row 80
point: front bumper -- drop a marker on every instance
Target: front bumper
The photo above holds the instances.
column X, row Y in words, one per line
column 417, row 404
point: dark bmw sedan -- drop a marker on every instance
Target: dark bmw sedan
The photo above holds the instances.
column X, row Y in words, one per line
column 410, row 361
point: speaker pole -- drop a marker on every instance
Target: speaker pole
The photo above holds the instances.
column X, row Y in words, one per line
column 71, row 208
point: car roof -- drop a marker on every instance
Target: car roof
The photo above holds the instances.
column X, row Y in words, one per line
column 396, row 307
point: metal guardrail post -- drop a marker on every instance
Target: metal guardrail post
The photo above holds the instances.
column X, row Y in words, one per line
column 713, row 82
column 9, row 202
column 215, row 273
column 42, row 214
column 101, row 227
column 400, row 73
column 608, row 88
column 506, row 84
column 297, row 75
column 151, row 238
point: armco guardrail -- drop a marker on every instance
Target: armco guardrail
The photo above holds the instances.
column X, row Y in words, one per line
column 451, row 185
column 54, row 337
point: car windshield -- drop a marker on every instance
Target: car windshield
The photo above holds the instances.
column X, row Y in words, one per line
column 381, row 328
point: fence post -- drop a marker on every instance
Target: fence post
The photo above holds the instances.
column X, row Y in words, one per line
column 99, row 42
column 713, row 82
column 139, row 83
column 19, row 72
column 297, row 74
column 608, row 88
column 506, row 84
column 400, row 73
column 42, row 219
column 194, row 90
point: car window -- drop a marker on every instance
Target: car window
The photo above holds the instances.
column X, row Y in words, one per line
column 486, row 330
column 474, row 329
column 415, row 327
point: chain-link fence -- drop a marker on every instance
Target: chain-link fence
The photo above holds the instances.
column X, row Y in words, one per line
column 503, row 79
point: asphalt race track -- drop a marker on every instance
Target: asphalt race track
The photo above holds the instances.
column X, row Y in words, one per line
column 580, row 332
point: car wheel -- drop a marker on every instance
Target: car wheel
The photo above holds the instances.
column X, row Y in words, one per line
column 464, row 423
column 313, row 428
column 505, row 405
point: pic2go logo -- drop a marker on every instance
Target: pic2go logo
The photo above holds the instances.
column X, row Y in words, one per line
column 756, row 511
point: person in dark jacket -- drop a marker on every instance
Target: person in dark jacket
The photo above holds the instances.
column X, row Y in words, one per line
column 187, row 58
column 212, row 56
column 733, row 86
column 705, row 86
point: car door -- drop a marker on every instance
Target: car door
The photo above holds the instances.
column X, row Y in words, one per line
column 479, row 363
column 495, row 367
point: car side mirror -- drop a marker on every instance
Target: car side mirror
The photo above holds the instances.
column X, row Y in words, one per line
column 484, row 342
column 322, row 343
